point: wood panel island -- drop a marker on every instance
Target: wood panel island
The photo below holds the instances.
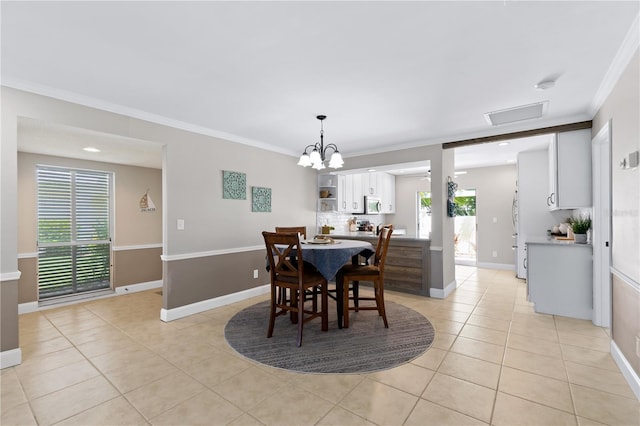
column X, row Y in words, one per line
column 407, row 268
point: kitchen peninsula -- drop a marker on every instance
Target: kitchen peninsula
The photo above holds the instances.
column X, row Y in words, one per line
column 408, row 265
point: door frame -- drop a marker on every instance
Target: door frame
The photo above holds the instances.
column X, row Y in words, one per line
column 601, row 230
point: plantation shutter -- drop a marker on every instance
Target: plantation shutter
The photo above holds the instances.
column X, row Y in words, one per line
column 74, row 250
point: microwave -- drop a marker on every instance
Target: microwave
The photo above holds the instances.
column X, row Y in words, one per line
column 372, row 205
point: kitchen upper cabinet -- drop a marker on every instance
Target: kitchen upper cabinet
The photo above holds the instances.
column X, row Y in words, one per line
column 351, row 190
column 371, row 184
column 350, row 194
column 570, row 170
column 388, row 192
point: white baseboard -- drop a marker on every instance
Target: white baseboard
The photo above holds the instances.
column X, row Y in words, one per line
column 627, row 371
column 10, row 358
column 133, row 288
column 437, row 293
column 26, row 308
column 167, row 315
column 503, row 266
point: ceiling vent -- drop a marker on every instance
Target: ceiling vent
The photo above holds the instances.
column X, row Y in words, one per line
column 520, row 113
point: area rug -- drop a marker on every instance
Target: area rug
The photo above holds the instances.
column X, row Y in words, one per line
column 364, row 347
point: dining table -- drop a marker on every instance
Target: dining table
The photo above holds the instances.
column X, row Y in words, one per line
column 329, row 257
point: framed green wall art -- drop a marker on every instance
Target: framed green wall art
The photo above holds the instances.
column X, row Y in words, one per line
column 261, row 199
column 234, row 185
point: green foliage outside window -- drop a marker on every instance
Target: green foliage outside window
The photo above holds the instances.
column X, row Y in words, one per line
column 464, row 205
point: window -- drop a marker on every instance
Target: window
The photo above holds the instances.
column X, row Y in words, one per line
column 74, row 238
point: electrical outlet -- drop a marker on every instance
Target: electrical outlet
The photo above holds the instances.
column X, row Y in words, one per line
column 495, row 253
column 255, row 273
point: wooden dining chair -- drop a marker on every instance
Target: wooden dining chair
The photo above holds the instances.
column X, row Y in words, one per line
column 370, row 273
column 302, row 230
column 286, row 266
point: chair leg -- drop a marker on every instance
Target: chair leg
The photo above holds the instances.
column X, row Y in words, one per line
column 356, row 294
column 345, row 303
column 324, row 298
column 272, row 313
column 380, row 302
column 301, row 296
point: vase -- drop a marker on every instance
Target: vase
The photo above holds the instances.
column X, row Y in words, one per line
column 580, row 238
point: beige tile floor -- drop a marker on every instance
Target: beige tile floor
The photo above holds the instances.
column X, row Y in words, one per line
column 494, row 361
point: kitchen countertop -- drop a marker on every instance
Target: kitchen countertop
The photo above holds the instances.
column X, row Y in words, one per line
column 364, row 234
column 553, row 241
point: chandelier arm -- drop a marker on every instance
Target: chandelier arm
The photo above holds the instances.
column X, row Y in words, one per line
column 310, row 146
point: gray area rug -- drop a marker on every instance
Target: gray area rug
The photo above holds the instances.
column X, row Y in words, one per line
column 365, row 346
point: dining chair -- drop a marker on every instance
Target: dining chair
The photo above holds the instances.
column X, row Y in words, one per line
column 302, row 230
column 370, row 273
column 286, row 266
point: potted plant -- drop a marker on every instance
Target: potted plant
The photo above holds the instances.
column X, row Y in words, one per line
column 580, row 226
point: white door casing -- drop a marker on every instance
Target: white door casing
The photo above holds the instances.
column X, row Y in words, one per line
column 601, row 228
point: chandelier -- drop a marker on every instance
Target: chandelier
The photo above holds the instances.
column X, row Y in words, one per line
column 316, row 158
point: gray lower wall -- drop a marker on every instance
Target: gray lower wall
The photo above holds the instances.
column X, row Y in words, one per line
column 28, row 283
column 129, row 267
column 136, row 266
column 194, row 280
column 8, row 315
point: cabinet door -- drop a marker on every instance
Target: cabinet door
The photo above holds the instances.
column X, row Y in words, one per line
column 573, row 185
column 552, row 199
column 371, row 184
column 357, row 197
column 388, row 192
column 342, row 194
column 570, row 170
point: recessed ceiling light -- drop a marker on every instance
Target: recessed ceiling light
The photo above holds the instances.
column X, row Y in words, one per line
column 91, row 149
column 503, row 144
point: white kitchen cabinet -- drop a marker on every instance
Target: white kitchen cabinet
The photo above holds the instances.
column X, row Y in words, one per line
column 350, row 194
column 388, row 192
column 371, row 184
column 560, row 278
column 570, row 170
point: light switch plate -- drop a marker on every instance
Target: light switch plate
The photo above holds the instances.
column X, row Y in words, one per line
column 180, row 225
column 634, row 159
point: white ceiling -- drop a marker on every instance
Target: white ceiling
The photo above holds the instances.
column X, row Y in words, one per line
column 387, row 74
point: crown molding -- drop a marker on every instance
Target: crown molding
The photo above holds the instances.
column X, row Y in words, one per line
column 620, row 61
column 91, row 102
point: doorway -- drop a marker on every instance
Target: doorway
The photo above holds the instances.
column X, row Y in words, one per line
column 465, row 236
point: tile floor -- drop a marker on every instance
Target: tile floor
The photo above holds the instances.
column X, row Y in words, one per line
column 494, row 361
